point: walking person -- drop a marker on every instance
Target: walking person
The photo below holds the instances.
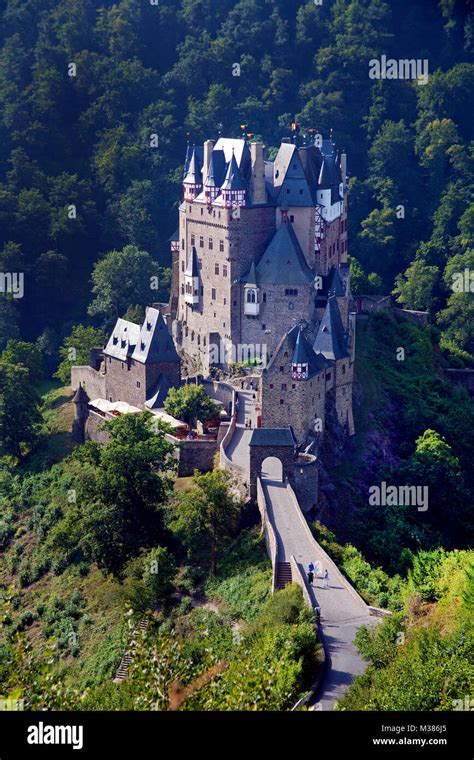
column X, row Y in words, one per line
column 311, row 567
column 310, row 577
column 326, row 579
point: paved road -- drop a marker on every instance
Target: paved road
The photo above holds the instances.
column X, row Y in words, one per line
column 238, row 450
column 341, row 612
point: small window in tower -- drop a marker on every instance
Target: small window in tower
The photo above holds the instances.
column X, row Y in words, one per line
column 216, row 268
column 225, row 301
column 202, row 211
column 211, row 244
column 291, row 306
column 193, row 239
column 282, row 369
column 281, row 401
column 293, row 386
column 283, row 386
column 264, row 298
column 221, row 245
column 343, row 369
column 138, row 383
column 271, row 385
column 182, row 266
column 292, row 218
column 199, row 263
column 213, row 294
column 182, row 244
column 201, row 241
column 224, row 270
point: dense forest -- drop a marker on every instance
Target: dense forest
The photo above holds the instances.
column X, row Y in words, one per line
column 98, row 99
column 97, row 103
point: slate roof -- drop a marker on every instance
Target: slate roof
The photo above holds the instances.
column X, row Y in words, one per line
column 251, row 277
column 154, row 343
column 159, row 393
column 80, row 396
column 272, row 437
column 123, row 339
column 193, row 174
column 330, row 174
column 192, row 267
column 149, row 343
column 336, row 285
column 239, row 148
column 302, row 348
column 233, row 180
column 216, row 169
column 175, row 236
column 331, row 340
column 283, row 262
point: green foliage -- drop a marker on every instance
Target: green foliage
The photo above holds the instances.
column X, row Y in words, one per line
column 205, row 519
column 189, row 403
column 76, row 349
column 20, row 417
column 26, row 354
column 121, row 278
column 120, row 490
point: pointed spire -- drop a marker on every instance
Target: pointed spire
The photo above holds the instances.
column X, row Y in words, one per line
column 233, row 180
column 331, row 338
column 193, row 176
column 250, row 278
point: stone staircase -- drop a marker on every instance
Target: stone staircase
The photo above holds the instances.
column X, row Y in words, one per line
column 283, row 575
column 122, row 670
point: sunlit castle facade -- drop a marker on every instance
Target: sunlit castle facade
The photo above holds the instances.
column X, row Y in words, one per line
column 256, row 242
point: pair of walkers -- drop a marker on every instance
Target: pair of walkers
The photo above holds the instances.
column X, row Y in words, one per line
column 311, row 576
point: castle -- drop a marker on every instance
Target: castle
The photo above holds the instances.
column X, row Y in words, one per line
column 259, row 275
column 259, row 269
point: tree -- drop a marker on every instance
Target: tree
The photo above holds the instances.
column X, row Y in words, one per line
column 76, row 349
column 121, row 489
column 190, row 403
column 122, row 278
column 414, row 289
column 206, row 518
column 20, row 417
column 26, row 354
column 457, row 319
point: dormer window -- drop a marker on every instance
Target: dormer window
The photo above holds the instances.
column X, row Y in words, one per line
column 148, row 325
column 142, row 346
column 115, row 340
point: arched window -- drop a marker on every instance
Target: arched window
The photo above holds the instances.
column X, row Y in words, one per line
column 251, row 296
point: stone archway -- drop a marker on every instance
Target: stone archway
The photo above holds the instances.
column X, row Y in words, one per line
column 271, row 443
column 272, row 469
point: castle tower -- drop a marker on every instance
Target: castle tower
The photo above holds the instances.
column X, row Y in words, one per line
column 81, row 413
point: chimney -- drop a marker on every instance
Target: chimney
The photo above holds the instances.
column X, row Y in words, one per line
column 208, row 148
column 257, row 153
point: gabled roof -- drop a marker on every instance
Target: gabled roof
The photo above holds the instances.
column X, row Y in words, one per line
column 251, row 277
column 233, row 180
column 123, row 339
column 331, row 340
column 192, row 267
column 154, row 343
column 175, row 236
column 329, row 175
column 272, row 437
column 193, row 174
column 236, row 147
column 294, row 190
column 283, row 262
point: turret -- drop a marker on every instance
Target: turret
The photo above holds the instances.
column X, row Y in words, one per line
column 233, row 188
column 81, row 413
column 300, row 360
column 192, row 183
